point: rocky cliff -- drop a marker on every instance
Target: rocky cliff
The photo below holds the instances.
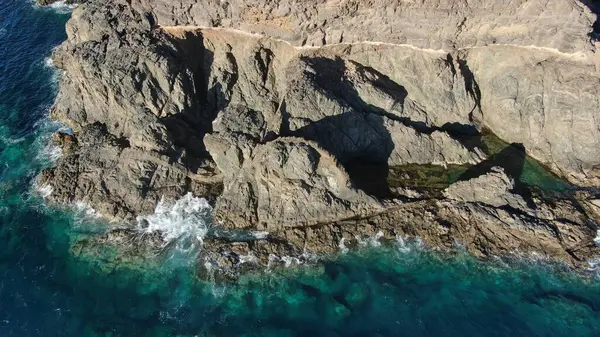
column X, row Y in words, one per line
column 292, row 117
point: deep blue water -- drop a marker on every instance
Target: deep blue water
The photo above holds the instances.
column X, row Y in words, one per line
column 394, row 291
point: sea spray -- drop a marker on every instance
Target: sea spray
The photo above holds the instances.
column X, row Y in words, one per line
column 50, row 153
column 85, row 212
column 407, row 245
column 370, row 241
column 48, row 62
column 56, row 72
column 594, row 267
column 43, row 190
column 342, row 246
column 183, row 222
column 597, row 238
column 59, row 7
column 47, row 151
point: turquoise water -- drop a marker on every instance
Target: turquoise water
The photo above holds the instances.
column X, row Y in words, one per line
column 402, row 290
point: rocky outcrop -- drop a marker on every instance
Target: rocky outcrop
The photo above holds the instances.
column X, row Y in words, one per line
column 290, row 183
column 119, row 181
column 291, row 117
column 494, row 189
column 500, row 225
column 528, row 62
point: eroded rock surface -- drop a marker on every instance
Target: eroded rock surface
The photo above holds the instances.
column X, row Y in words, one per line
column 494, row 189
column 270, row 108
column 291, row 183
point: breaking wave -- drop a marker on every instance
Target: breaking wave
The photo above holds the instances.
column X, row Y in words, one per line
column 56, row 73
column 184, row 222
column 48, row 62
column 44, row 190
column 60, row 7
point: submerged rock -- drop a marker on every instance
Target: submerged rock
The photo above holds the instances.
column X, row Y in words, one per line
column 296, row 118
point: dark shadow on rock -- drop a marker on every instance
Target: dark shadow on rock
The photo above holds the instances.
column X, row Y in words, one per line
column 358, row 138
column 512, row 160
column 208, row 100
column 594, row 6
column 362, row 145
column 459, row 130
column 187, row 128
column 330, row 75
column 470, row 84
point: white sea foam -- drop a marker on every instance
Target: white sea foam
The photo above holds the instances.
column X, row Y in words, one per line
column 48, row 62
column 291, row 261
column 597, row 238
column 403, row 244
column 61, row 7
column 407, row 244
column 12, row 141
column 185, row 221
column 44, row 190
column 259, row 235
column 86, row 210
column 272, row 258
column 342, row 246
column 56, row 72
column 370, row 241
column 250, row 258
column 594, row 266
column 62, row 4
column 287, row 260
column 87, row 220
column 50, row 153
column 216, row 290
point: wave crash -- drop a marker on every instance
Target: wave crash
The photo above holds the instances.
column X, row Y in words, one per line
column 183, row 223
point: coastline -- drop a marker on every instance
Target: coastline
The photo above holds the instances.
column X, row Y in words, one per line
column 318, row 146
column 388, row 290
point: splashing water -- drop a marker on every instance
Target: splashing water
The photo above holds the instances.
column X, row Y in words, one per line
column 43, row 190
column 59, row 7
column 184, row 222
column 62, row 5
column 48, row 62
column 370, row 241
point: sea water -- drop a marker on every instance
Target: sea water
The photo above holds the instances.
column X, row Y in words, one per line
column 46, row 289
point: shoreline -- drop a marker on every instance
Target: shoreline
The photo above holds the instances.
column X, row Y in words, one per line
column 317, row 146
column 117, row 284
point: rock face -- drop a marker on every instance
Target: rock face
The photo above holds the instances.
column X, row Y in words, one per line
column 494, row 189
column 530, row 64
column 270, row 108
column 291, row 183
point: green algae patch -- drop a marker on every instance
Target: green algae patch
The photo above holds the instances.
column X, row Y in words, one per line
column 532, row 173
column 511, row 157
column 424, row 176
